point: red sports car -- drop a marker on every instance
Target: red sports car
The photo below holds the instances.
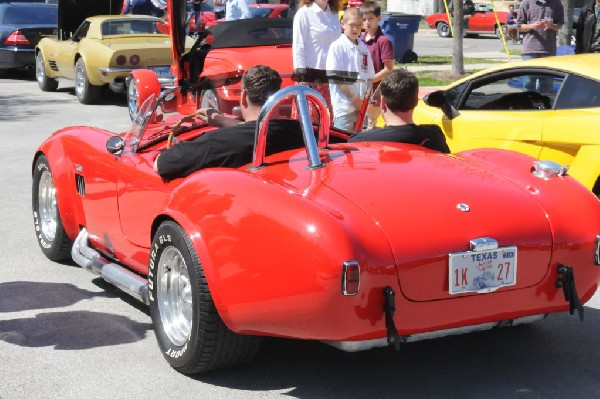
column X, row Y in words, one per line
column 482, row 22
column 357, row 245
column 235, row 47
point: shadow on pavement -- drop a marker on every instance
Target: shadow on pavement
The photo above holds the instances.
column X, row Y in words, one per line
column 554, row 358
column 73, row 330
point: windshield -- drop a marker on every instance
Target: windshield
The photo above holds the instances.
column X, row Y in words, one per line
column 156, row 119
column 131, row 27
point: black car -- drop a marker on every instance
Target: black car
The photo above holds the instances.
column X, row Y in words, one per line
column 22, row 25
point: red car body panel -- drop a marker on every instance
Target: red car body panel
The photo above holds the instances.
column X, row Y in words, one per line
column 241, row 59
column 272, row 241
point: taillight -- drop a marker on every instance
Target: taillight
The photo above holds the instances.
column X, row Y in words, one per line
column 16, row 38
column 350, row 277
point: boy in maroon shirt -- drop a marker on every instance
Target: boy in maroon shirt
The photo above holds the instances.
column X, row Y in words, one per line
column 382, row 52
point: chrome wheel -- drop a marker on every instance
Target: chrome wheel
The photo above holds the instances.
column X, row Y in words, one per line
column 132, row 98
column 174, row 296
column 40, row 73
column 80, row 80
column 45, row 83
column 47, row 206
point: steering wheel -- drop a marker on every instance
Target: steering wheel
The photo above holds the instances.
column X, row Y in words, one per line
column 534, row 96
column 171, row 138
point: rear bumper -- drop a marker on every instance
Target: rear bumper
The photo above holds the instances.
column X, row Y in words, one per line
column 117, row 76
column 13, row 57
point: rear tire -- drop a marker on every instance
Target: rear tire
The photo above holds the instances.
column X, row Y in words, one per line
column 189, row 330
column 86, row 92
column 443, row 29
column 49, row 230
column 45, row 83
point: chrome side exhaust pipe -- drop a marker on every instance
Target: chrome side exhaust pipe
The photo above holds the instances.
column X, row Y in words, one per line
column 122, row 278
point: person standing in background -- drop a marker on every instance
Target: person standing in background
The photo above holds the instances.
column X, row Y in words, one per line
column 316, row 26
column 219, row 9
column 143, row 7
column 468, row 12
column 381, row 49
column 512, row 27
column 348, row 56
column 236, row 9
column 540, row 20
column 196, row 14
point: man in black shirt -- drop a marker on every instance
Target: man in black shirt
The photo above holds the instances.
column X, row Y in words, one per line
column 233, row 145
column 399, row 97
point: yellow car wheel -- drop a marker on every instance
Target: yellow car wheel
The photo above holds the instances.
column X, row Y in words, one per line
column 45, row 83
column 86, row 92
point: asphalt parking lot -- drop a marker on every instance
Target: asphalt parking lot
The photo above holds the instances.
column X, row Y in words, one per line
column 66, row 334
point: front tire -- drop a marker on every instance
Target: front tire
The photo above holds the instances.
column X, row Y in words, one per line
column 45, row 83
column 49, row 230
column 443, row 29
column 86, row 92
column 189, row 330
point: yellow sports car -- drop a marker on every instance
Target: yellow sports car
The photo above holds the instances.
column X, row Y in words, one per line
column 95, row 51
column 548, row 108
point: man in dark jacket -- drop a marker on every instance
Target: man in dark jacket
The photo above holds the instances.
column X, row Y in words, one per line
column 232, row 145
column 587, row 38
column 399, row 92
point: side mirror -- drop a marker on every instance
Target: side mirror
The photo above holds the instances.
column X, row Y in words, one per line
column 438, row 99
column 115, row 145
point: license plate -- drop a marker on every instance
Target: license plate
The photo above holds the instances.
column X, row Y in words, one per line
column 162, row 71
column 483, row 271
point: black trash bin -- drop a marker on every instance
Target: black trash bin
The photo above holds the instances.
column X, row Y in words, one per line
column 401, row 29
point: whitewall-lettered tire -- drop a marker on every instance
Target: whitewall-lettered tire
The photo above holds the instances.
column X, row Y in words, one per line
column 189, row 330
column 49, row 230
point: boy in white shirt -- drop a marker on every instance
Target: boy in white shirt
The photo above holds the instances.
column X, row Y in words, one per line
column 349, row 56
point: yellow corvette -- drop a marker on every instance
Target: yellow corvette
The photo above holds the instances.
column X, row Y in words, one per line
column 95, row 51
column 548, row 108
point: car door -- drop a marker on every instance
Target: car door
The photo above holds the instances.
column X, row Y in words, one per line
column 478, row 20
column 502, row 110
column 67, row 51
column 141, row 192
column 568, row 133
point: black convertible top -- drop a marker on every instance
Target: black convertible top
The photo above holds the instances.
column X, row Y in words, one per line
column 252, row 32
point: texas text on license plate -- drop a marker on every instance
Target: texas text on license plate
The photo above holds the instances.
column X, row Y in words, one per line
column 483, row 271
column 162, row 71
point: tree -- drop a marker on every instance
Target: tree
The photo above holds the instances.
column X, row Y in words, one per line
column 458, row 62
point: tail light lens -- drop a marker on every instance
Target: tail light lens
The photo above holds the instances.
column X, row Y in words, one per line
column 16, row 38
column 350, row 277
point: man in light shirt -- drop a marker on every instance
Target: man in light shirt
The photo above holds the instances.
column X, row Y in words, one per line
column 349, row 56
